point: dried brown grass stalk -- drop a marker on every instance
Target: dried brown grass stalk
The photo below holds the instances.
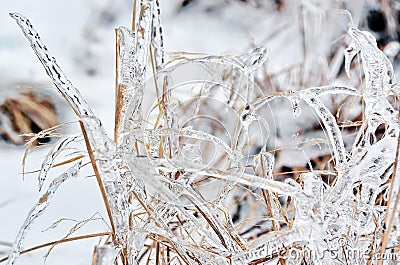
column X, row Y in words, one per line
column 26, row 114
column 64, row 240
column 99, row 181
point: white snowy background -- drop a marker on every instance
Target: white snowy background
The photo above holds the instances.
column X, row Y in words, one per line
column 72, row 29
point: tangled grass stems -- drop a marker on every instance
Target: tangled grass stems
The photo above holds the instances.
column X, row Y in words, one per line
column 165, row 191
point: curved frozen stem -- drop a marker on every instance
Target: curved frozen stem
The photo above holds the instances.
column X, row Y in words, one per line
column 134, row 50
column 157, row 38
column 52, row 155
column 60, row 80
column 39, row 209
column 246, row 179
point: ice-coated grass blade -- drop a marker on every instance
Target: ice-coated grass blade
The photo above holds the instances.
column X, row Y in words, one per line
column 39, row 209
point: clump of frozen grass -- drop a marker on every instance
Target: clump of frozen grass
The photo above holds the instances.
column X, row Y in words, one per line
column 174, row 167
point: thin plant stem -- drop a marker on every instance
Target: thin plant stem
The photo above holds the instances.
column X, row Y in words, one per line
column 99, row 181
column 64, row 240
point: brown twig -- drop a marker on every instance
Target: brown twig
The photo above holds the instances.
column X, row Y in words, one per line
column 134, row 15
column 99, row 181
column 118, row 95
column 94, row 259
column 64, row 240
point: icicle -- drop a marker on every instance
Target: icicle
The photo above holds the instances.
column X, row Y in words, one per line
column 133, row 59
column 52, row 154
column 264, row 164
column 239, row 178
column 106, row 255
column 379, row 74
column 143, row 33
column 39, row 209
column 65, row 87
column 157, row 40
column 330, row 90
column 309, row 92
column 127, row 76
column 255, row 58
column 331, row 127
column 247, row 117
column 252, row 61
column 349, row 55
column 371, row 161
column 109, row 164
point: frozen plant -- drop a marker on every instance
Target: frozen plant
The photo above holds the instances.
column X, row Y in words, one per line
column 168, row 176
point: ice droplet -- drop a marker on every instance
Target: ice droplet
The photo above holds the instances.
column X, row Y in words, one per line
column 255, row 58
column 296, row 109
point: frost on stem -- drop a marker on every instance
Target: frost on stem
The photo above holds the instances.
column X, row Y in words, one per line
column 48, row 163
column 170, row 176
column 39, row 209
column 69, row 92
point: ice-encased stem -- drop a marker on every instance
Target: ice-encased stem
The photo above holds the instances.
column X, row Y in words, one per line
column 371, row 160
column 63, row 84
column 134, row 50
column 106, row 255
column 39, row 209
column 104, row 147
column 157, row 38
column 126, row 53
column 310, row 96
column 51, row 156
column 331, row 127
column 143, row 170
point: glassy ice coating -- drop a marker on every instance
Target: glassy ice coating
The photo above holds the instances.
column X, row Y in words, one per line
column 105, row 255
column 51, row 156
column 39, row 209
column 71, row 94
column 171, row 174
